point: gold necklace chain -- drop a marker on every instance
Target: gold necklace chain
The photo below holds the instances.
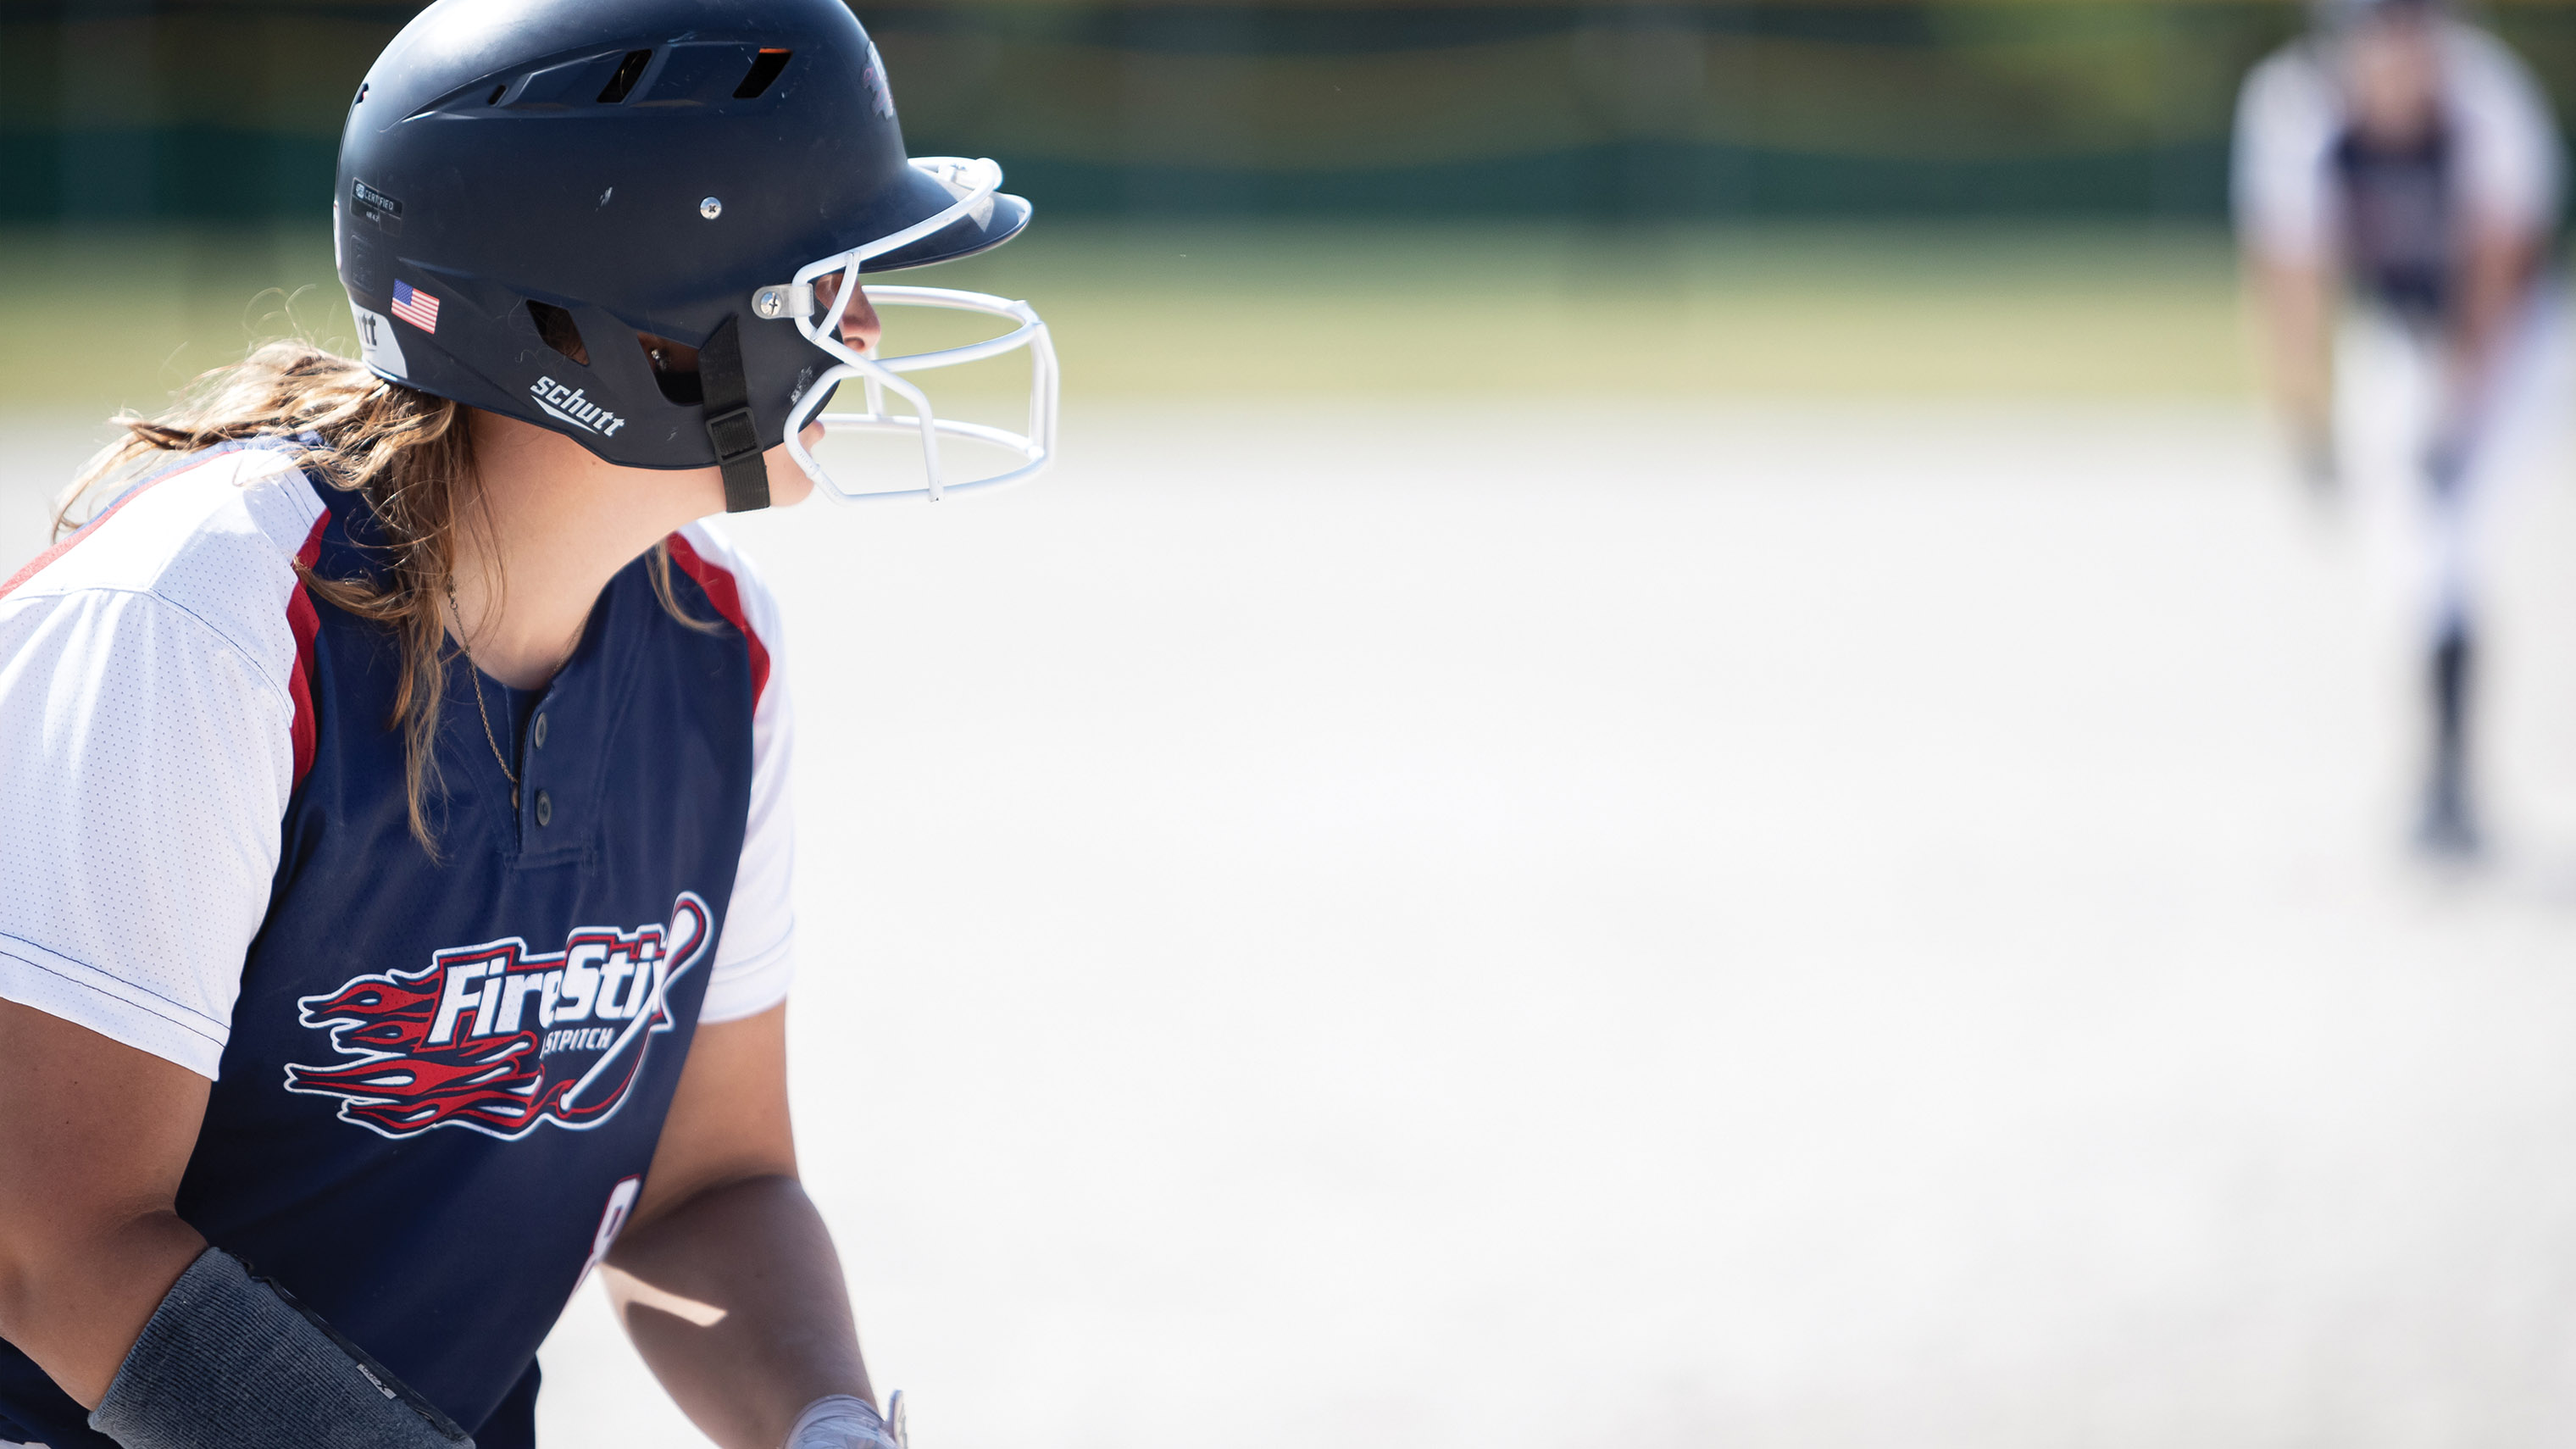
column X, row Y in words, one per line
column 476, row 674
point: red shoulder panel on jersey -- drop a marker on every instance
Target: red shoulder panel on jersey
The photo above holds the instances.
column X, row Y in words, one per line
column 726, row 595
column 301, row 618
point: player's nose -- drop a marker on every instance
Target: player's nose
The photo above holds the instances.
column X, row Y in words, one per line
column 859, row 325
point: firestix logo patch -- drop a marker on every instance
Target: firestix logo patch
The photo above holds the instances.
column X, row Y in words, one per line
column 498, row 1039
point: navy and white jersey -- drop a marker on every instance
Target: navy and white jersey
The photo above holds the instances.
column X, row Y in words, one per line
column 438, row 1079
column 2401, row 234
column 2308, row 190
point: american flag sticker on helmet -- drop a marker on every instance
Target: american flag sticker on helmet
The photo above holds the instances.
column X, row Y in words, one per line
column 415, row 306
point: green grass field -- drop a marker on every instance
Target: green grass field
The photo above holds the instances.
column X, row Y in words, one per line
column 96, row 322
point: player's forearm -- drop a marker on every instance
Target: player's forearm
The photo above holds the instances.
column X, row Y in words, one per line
column 2498, row 268
column 94, row 1137
column 2294, row 300
column 73, row 1299
column 736, row 1302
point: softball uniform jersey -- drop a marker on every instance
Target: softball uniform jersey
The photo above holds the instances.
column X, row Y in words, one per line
column 437, row 1079
column 2308, row 188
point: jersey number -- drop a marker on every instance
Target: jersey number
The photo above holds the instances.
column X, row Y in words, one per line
column 621, row 1201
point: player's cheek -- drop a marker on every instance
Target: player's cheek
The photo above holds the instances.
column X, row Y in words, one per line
column 788, row 483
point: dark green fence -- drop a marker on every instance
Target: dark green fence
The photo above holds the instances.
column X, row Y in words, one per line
column 228, row 109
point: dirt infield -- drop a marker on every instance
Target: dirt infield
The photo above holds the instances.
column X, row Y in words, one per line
column 1799, row 924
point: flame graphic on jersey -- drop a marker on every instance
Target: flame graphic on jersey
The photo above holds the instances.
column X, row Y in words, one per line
column 448, row 1045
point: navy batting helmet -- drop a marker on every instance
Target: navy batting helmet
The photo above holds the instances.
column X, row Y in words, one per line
column 528, row 189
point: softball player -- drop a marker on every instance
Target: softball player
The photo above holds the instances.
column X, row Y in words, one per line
column 2410, row 160
column 395, row 841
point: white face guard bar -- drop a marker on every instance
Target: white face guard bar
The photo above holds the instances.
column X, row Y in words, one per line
column 973, row 184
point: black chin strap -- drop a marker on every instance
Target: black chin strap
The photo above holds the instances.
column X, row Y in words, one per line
column 729, row 424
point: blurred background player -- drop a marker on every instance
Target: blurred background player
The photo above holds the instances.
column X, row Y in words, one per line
column 2406, row 159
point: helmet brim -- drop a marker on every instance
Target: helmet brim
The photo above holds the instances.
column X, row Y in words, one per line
column 922, row 196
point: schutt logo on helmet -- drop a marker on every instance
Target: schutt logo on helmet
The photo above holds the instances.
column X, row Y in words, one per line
column 568, row 405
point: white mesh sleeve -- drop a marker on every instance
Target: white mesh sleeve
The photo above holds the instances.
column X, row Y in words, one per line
column 145, row 763
column 2285, row 130
column 756, row 958
column 2512, row 167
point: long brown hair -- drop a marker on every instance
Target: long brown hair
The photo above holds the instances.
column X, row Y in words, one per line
column 409, row 452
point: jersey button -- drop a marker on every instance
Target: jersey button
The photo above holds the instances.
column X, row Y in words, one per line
column 545, row 808
column 537, row 732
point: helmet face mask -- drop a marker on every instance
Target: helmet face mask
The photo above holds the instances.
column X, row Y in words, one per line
column 974, row 184
column 529, row 188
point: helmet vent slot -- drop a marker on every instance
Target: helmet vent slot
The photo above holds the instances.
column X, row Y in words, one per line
column 764, row 69
column 498, row 91
column 555, row 327
column 629, row 71
column 675, row 370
